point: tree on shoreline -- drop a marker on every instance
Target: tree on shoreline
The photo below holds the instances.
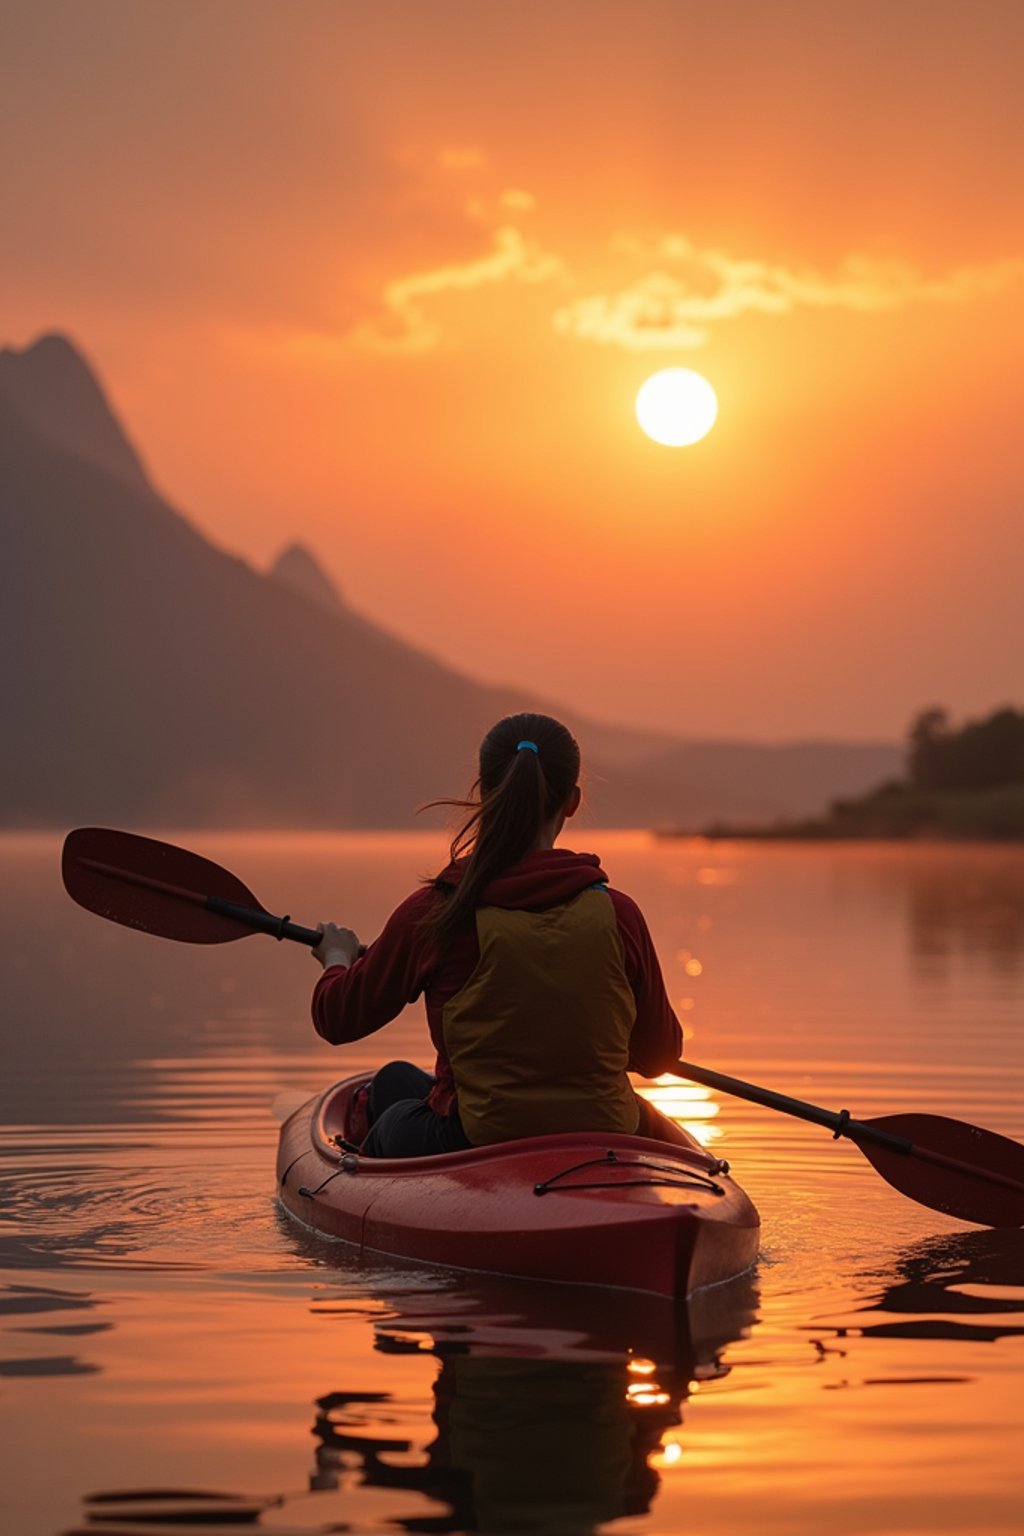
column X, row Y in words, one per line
column 982, row 754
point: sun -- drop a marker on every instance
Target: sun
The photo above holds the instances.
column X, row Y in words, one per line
column 676, row 407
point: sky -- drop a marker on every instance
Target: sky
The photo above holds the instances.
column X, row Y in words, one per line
column 386, row 278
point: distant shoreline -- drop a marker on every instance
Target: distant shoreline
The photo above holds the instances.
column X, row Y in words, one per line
column 898, row 813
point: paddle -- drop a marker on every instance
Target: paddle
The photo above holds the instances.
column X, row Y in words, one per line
column 946, row 1164
column 165, row 890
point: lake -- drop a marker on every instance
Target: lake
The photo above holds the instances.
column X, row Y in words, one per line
column 176, row 1354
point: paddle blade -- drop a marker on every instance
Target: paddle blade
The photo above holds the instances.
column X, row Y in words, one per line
column 152, row 886
column 954, row 1167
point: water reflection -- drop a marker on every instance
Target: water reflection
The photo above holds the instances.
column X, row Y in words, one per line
column 521, row 1445
column 940, row 1289
column 969, row 909
column 942, row 1281
column 552, row 1406
column 138, row 1512
column 962, row 904
column 690, row 1105
column 553, row 1411
column 24, row 1305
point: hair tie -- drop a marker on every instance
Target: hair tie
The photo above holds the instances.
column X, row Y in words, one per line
column 531, row 745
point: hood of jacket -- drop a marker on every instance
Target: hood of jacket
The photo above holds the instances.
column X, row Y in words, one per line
column 538, row 880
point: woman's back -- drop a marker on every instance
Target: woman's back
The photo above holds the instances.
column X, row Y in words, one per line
column 538, row 1038
column 541, row 983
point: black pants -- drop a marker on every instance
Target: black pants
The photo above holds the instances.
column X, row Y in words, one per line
column 402, row 1124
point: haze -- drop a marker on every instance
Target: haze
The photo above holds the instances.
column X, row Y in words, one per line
column 387, row 278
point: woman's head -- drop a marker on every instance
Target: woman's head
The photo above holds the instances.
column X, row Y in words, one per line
column 532, row 763
column 528, row 783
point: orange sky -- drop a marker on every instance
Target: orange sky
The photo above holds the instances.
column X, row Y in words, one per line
column 387, row 277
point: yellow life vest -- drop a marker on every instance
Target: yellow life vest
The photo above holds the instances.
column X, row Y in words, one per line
column 538, row 1038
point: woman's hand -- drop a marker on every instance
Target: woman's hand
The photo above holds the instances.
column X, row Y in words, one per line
column 339, row 946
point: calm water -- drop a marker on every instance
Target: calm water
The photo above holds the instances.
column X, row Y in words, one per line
column 172, row 1347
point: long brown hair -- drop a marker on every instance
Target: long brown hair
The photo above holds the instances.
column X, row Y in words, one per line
column 529, row 766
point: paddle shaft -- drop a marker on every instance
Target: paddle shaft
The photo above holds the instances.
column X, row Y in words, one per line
column 837, row 1121
column 840, row 1123
column 253, row 918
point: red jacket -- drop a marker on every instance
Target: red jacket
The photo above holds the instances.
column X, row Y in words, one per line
column 354, row 1001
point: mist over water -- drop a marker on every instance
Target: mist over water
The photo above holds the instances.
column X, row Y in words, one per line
column 168, row 1338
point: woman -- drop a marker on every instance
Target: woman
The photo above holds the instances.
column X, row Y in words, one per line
column 541, row 982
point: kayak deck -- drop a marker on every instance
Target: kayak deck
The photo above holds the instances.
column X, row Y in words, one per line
column 594, row 1208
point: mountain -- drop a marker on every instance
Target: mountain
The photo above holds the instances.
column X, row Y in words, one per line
column 149, row 678
column 52, row 388
column 297, row 568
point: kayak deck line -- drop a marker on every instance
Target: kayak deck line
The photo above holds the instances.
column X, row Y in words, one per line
column 677, row 1178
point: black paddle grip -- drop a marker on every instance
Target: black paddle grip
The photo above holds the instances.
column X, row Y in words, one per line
column 258, row 921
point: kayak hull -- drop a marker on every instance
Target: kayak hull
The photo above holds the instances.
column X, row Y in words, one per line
column 634, row 1212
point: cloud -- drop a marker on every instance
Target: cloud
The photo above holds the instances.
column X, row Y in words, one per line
column 651, row 313
column 665, row 294
column 690, row 290
column 404, row 322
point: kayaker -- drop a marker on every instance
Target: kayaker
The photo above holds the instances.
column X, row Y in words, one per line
column 541, row 982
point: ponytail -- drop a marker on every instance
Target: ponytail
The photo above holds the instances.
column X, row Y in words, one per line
column 529, row 766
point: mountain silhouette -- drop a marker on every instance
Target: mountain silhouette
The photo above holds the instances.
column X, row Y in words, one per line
column 148, row 678
column 53, row 389
column 299, row 569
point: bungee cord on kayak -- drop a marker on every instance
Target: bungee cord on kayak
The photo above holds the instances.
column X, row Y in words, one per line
column 678, row 1178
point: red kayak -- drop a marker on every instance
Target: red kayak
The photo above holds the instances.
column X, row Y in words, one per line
column 645, row 1213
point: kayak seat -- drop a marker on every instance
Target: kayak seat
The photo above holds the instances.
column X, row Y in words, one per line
column 357, row 1116
column 355, row 1121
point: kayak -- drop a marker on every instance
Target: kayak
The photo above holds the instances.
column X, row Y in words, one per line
column 655, row 1213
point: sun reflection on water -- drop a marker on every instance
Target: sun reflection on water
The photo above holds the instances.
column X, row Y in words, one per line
column 669, row 1453
column 690, row 1105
